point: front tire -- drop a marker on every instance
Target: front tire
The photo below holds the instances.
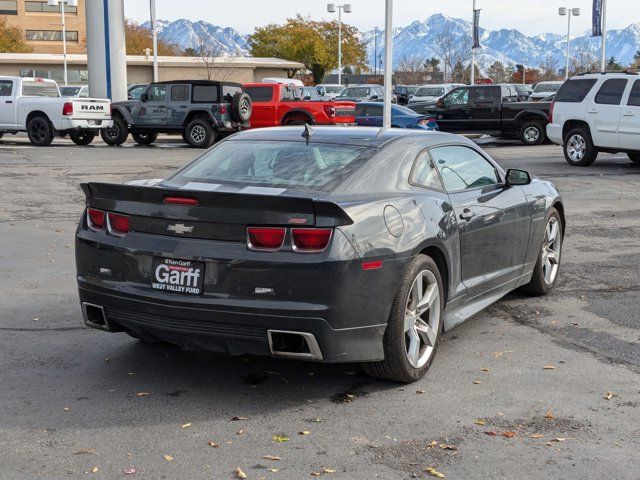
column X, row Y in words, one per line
column 532, row 133
column 83, row 137
column 579, row 150
column 116, row 134
column 545, row 273
column 414, row 326
column 40, row 131
column 199, row 133
column 144, row 138
column 634, row 157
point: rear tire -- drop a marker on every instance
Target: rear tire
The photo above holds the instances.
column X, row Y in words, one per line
column 579, row 149
column 117, row 134
column 199, row 133
column 634, row 157
column 532, row 133
column 40, row 131
column 144, row 138
column 547, row 269
column 416, row 316
column 83, row 137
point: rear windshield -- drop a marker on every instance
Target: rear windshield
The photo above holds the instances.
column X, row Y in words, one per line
column 575, row 91
column 288, row 165
column 259, row 94
column 355, row 92
column 69, row 91
column 39, row 89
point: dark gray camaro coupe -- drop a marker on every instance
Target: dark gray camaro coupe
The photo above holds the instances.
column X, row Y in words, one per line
column 325, row 244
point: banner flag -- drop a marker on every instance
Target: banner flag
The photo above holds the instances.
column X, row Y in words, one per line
column 597, row 18
column 476, row 29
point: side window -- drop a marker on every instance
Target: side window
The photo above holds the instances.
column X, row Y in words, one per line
column 634, row 96
column 424, row 174
column 458, row 97
column 611, row 91
column 180, row 93
column 287, row 94
column 484, row 96
column 205, row 94
column 229, row 91
column 260, row 94
column 6, row 88
column 157, row 93
column 462, row 168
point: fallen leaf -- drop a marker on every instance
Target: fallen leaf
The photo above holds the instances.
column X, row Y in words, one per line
column 479, row 422
column 558, row 440
column 94, row 470
column 186, row 425
column 491, row 433
column 236, row 419
column 168, row 458
column 609, row 395
column 315, row 474
column 280, row 438
column 432, row 444
column 499, row 354
column 213, row 444
column 240, row 432
column 239, row 473
column 129, row 471
column 485, row 369
column 434, row 472
column 508, row 434
column 304, row 432
column 328, row 470
column 448, row 447
column 142, row 394
column 316, row 420
column 549, row 367
column 271, row 457
column 549, row 415
column 477, row 382
column 420, row 392
column 66, row 409
column 86, row 451
column 274, row 470
column 536, row 435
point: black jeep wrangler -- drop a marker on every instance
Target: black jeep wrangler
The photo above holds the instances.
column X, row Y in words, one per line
column 202, row 111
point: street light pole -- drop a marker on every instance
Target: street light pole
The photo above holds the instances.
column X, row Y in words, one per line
column 569, row 12
column 331, row 8
column 473, row 50
column 71, row 3
column 603, row 58
column 388, row 63
column 375, row 52
column 154, row 36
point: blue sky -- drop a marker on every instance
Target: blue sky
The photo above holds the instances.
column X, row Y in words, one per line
column 529, row 16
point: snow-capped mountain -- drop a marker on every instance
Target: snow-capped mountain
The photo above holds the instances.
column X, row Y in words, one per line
column 185, row 33
column 425, row 39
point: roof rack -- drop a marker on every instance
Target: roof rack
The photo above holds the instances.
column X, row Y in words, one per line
column 623, row 72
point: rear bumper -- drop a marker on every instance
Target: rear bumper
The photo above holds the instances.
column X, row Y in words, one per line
column 554, row 133
column 81, row 124
column 231, row 329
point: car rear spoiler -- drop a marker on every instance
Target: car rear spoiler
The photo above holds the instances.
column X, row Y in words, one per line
column 216, row 207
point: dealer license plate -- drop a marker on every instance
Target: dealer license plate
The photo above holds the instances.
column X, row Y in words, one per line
column 177, row 276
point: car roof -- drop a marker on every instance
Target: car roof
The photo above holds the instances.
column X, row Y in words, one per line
column 605, row 74
column 197, row 82
column 357, row 136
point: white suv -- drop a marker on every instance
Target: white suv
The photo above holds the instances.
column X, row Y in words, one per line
column 597, row 112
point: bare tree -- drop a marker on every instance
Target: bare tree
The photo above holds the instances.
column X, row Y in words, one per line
column 210, row 54
column 549, row 68
column 452, row 50
column 411, row 70
column 584, row 60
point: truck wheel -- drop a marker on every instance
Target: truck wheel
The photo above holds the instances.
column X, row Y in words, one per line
column 634, row 157
column 532, row 133
column 83, row 137
column 241, row 108
column 40, row 131
column 144, row 138
column 199, row 133
column 579, row 149
column 117, row 134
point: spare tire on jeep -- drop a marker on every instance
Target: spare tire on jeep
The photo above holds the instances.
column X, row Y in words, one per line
column 241, row 107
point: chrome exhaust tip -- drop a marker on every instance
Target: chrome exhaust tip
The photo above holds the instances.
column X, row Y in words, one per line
column 299, row 345
column 94, row 316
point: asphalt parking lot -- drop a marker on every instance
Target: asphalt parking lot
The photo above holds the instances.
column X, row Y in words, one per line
column 532, row 388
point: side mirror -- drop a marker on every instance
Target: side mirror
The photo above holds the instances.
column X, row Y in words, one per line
column 440, row 103
column 144, row 97
column 517, row 177
column 374, row 97
column 306, row 98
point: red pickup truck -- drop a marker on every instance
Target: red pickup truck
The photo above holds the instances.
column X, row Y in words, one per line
column 276, row 104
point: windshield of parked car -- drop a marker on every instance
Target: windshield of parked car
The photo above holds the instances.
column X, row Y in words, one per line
column 430, row 92
column 69, row 91
column 333, row 89
column 286, row 165
column 547, row 88
column 355, row 92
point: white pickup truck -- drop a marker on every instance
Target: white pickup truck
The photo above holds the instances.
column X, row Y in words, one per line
column 34, row 105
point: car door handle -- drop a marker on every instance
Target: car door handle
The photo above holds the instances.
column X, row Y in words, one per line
column 467, row 214
column 8, row 101
column 593, row 110
column 628, row 114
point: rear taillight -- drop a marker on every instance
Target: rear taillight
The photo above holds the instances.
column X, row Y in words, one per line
column 310, row 240
column 95, row 218
column 182, row 200
column 553, row 104
column 118, row 224
column 330, row 111
column 265, row 238
column 222, row 109
column 67, row 109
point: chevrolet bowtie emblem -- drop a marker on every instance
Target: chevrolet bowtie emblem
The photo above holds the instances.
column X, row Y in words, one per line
column 179, row 228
